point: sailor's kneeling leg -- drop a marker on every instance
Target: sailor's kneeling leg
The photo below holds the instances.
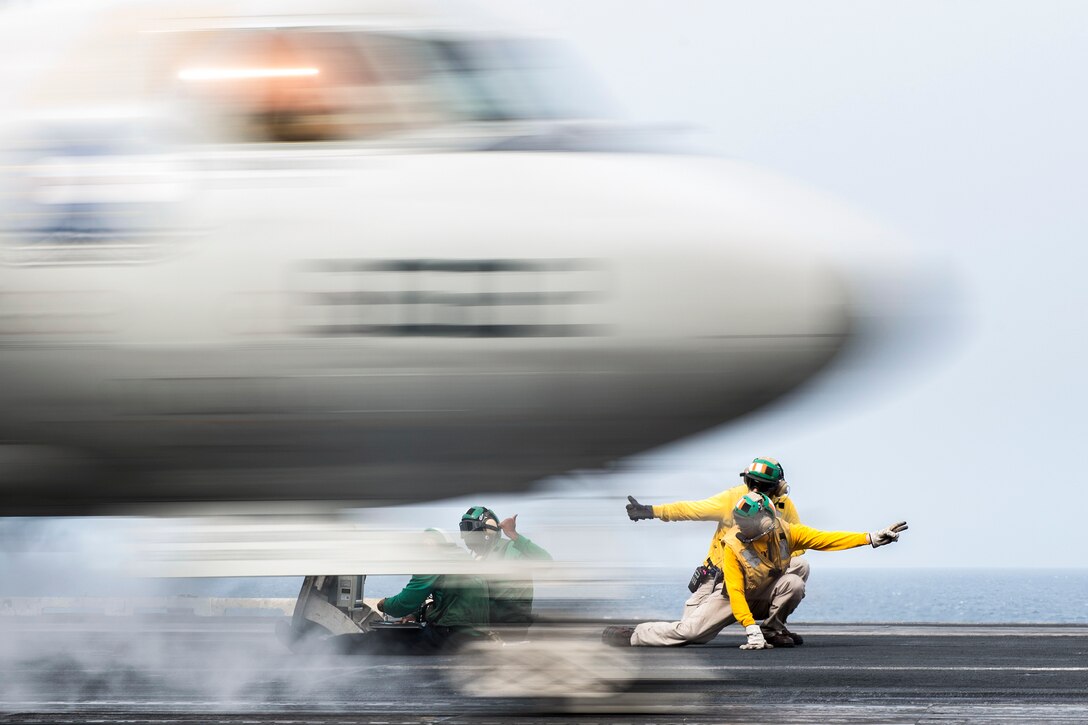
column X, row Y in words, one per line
column 787, row 593
column 799, row 566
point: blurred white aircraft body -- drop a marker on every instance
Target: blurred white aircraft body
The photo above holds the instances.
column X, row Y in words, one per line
column 368, row 252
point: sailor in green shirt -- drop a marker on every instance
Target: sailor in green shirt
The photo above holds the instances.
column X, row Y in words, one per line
column 511, row 599
column 451, row 608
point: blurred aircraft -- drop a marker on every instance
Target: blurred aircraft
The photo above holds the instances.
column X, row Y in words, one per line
column 368, row 252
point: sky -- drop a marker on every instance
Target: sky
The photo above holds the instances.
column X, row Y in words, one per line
column 959, row 125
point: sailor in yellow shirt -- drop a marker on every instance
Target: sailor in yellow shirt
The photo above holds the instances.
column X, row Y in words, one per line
column 706, row 612
column 756, row 561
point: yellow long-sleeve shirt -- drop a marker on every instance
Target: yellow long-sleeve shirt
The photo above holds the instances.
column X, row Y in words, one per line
column 720, row 508
column 799, row 537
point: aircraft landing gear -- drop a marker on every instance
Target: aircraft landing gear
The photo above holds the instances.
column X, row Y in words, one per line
column 328, row 608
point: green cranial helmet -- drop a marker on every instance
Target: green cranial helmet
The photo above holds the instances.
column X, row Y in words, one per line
column 436, row 537
column 480, row 529
column 765, row 475
column 754, row 515
column 475, row 517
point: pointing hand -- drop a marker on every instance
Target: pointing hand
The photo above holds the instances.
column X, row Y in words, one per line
column 887, row 536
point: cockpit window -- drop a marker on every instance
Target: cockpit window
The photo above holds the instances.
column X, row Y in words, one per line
column 319, row 85
column 278, row 86
column 514, row 80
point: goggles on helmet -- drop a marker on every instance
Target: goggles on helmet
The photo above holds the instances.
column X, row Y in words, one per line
column 770, row 488
column 475, row 525
column 766, row 476
column 480, row 530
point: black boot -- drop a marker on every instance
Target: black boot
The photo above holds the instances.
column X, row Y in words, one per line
column 617, row 636
column 779, row 638
column 798, row 640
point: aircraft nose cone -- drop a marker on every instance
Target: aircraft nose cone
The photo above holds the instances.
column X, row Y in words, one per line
column 730, row 288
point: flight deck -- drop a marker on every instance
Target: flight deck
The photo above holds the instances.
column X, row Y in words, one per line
column 177, row 667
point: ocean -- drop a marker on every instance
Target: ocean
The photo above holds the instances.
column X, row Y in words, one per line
column 978, row 596
column 965, row 596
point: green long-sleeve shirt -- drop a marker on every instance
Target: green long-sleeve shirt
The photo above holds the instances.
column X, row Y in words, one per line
column 512, row 599
column 523, row 548
column 411, row 597
column 459, row 600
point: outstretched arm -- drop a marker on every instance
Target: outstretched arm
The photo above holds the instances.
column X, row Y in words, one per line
column 788, row 511
column 806, row 537
column 715, row 508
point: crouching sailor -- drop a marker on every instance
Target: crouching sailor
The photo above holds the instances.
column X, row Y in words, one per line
column 756, row 562
column 706, row 612
column 511, row 597
column 452, row 609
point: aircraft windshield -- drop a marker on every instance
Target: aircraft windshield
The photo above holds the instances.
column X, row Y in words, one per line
column 318, row 85
column 505, row 80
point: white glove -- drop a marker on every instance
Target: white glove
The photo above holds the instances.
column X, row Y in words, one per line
column 755, row 638
column 887, row 536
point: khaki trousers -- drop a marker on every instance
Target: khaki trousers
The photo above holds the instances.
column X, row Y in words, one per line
column 779, row 597
column 707, row 612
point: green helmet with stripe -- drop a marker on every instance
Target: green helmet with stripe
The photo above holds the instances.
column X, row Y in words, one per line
column 476, row 518
column 754, row 515
column 765, row 475
column 480, row 530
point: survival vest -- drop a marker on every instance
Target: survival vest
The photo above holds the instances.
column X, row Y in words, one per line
column 761, row 567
